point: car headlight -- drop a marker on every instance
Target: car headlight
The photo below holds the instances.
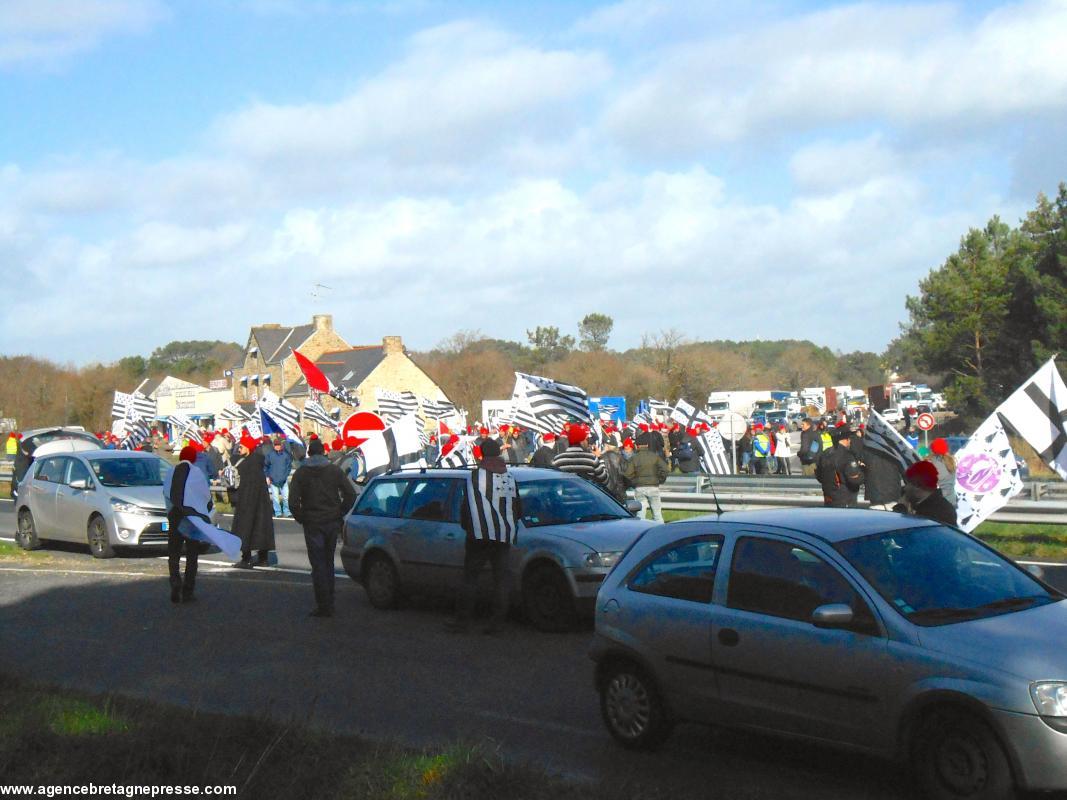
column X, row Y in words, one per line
column 602, row 559
column 1050, row 700
column 127, row 508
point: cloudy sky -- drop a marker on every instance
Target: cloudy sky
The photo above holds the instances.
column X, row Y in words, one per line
column 183, row 170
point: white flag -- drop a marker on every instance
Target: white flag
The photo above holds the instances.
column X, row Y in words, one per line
column 397, row 447
column 1038, row 411
column 986, row 474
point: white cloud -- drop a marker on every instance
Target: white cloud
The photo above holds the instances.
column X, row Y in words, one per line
column 33, row 31
column 905, row 65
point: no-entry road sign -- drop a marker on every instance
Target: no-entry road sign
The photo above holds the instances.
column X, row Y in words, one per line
column 925, row 422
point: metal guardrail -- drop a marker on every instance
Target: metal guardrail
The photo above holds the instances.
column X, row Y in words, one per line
column 1046, row 512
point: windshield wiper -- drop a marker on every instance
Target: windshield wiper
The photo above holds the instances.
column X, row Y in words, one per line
column 598, row 517
column 1016, row 602
column 973, row 612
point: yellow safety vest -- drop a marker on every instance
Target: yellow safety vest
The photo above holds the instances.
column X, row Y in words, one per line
column 12, row 445
column 827, row 440
column 765, row 445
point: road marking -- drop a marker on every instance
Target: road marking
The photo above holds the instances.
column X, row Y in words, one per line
column 539, row 723
column 79, row 572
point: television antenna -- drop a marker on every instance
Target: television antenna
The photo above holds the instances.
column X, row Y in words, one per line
column 318, row 291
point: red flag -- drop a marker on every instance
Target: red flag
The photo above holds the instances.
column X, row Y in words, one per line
column 312, row 374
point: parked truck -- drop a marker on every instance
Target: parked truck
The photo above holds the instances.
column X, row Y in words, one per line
column 742, row 402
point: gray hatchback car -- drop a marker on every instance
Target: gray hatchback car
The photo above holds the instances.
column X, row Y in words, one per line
column 404, row 535
column 870, row 630
column 103, row 498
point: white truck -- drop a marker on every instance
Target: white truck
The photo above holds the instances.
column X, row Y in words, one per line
column 740, row 401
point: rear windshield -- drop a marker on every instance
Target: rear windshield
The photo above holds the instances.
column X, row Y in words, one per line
column 129, row 471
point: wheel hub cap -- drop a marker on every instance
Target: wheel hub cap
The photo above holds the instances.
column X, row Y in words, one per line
column 961, row 765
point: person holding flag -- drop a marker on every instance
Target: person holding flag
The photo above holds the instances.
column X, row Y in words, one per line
column 187, row 494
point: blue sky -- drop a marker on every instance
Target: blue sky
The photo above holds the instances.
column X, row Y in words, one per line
column 178, row 170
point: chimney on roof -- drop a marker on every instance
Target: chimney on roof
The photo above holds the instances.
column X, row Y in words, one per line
column 270, row 325
column 392, row 344
column 323, row 322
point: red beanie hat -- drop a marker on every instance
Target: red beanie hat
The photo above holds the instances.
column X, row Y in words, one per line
column 628, row 442
column 337, row 444
column 576, row 434
column 922, row 473
column 483, row 431
column 939, row 447
column 248, row 443
column 549, row 437
column 188, row 453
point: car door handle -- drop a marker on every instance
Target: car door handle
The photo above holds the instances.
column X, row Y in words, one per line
column 729, row 637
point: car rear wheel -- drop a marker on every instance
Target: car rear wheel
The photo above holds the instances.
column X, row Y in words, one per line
column 99, row 541
column 632, row 708
column 547, row 599
column 956, row 756
column 26, row 534
column 381, row 582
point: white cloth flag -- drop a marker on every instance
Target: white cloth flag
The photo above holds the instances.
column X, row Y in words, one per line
column 1037, row 411
column 396, row 447
column 688, row 415
column 713, row 456
column 987, row 476
column 278, row 415
column 551, row 400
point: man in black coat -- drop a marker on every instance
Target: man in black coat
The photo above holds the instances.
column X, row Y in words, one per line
column 544, row 454
column 839, row 472
column 922, row 498
column 882, row 479
column 810, row 447
column 319, row 496
column 252, row 518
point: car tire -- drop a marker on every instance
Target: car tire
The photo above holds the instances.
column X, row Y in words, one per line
column 381, row 582
column 547, row 600
column 26, row 531
column 632, row 708
column 99, row 541
column 957, row 756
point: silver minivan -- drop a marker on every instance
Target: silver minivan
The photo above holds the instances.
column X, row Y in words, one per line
column 870, row 630
column 103, row 498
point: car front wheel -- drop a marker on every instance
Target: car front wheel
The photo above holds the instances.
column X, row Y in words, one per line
column 956, row 756
column 99, row 541
column 547, row 599
column 381, row 582
column 26, row 534
column 631, row 707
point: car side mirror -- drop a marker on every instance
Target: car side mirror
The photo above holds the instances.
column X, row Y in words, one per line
column 833, row 615
column 81, row 484
column 633, row 506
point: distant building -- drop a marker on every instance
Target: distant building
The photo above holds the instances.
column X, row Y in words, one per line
column 176, row 396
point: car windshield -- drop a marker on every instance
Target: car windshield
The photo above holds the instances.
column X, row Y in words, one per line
column 51, row 436
column 561, row 502
column 937, row 575
column 129, row 471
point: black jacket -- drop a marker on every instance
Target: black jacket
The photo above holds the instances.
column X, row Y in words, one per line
column 543, row 457
column 319, row 492
column 934, row 507
column 840, row 475
column 883, row 478
column 252, row 516
column 806, row 438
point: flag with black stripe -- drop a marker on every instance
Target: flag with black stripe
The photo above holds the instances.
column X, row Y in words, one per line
column 491, row 498
column 880, row 435
column 135, row 433
column 186, row 428
column 1037, row 412
column 314, row 412
column 551, row 400
column 277, row 415
column 132, row 405
column 688, row 415
column 233, row 413
column 660, row 407
column 713, row 457
column 456, row 454
column 394, row 405
column 437, row 409
column 397, row 447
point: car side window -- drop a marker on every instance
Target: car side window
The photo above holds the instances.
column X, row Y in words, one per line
column 684, row 571
column 51, row 470
column 428, row 500
column 78, row 472
column 780, row 579
column 382, row 499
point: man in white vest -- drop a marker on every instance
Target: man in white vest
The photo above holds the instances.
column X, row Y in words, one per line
column 490, row 518
column 187, row 494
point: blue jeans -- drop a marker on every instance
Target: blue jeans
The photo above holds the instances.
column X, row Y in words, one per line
column 279, row 496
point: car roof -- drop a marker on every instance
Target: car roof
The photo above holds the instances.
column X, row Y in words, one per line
column 96, row 455
column 829, row 524
column 522, row 474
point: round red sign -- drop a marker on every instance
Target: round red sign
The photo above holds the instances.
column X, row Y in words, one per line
column 362, row 425
column 925, row 422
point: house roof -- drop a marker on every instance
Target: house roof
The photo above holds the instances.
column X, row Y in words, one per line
column 344, row 367
column 274, row 343
column 148, row 386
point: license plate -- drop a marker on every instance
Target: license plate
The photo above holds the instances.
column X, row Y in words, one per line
column 166, row 526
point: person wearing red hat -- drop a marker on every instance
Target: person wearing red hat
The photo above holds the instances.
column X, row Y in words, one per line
column 579, row 459
column 12, row 446
column 252, row 518
column 545, row 454
column 946, row 469
column 762, row 449
column 921, row 495
column 187, row 493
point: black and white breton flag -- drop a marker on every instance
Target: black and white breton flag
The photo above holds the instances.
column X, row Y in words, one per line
column 661, row 407
column 880, row 435
column 132, row 406
column 606, row 411
column 314, row 411
column 491, row 499
column 278, row 415
column 437, row 409
column 519, row 413
column 231, row 412
column 459, row 456
column 1037, row 411
column 688, row 415
column 186, row 428
column 713, row 458
column 394, row 405
column 136, row 432
column 550, row 399
column 396, row 447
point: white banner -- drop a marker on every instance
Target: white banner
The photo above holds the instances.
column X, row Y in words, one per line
column 987, row 476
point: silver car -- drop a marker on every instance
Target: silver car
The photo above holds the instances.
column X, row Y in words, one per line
column 869, row 630
column 103, row 498
column 404, row 535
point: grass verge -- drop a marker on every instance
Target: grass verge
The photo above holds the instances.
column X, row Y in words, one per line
column 12, row 552
column 1012, row 539
column 61, row 737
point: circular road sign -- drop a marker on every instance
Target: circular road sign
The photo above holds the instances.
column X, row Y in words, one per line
column 732, row 426
column 362, row 425
column 925, row 422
